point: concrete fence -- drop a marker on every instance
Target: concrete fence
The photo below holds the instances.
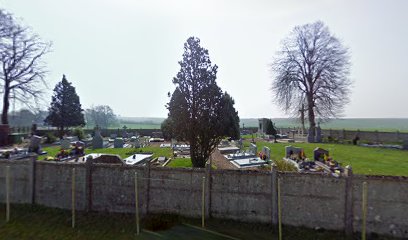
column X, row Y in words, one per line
column 310, row 200
column 371, row 136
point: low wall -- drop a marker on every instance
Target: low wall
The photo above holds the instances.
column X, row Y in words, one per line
column 311, row 200
column 370, row 136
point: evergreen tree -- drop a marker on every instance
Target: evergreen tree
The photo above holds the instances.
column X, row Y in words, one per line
column 271, row 129
column 195, row 107
column 230, row 118
column 65, row 110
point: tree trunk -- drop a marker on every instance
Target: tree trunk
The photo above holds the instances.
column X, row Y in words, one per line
column 311, row 115
column 6, row 103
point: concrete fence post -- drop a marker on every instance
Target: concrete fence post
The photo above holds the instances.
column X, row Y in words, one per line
column 147, row 186
column 348, row 213
column 88, row 184
column 33, row 178
column 274, row 195
column 208, row 174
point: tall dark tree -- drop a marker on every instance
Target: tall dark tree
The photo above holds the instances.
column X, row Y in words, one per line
column 21, row 70
column 230, row 118
column 195, row 106
column 271, row 128
column 312, row 69
column 65, row 110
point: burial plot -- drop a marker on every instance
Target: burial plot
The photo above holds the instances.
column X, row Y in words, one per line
column 97, row 141
column 35, row 142
column 65, row 144
column 118, row 143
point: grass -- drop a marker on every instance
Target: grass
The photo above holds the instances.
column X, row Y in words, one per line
column 180, row 162
column 122, row 152
column 38, row 222
column 364, row 160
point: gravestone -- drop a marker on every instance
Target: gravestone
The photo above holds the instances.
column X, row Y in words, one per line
column 267, row 152
column 97, row 141
column 65, row 143
column 289, row 150
column 253, row 149
column 318, row 134
column 35, row 142
column 118, row 143
column 310, row 135
column 318, row 153
column 136, row 143
column 113, row 136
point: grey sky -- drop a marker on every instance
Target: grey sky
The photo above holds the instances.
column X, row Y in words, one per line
column 124, row 53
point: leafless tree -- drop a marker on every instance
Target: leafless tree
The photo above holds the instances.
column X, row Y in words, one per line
column 22, row 70
column 312, row 69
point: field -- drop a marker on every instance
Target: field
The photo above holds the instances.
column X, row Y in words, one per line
column 364, row 124
column 37, row 222
column 364, row 160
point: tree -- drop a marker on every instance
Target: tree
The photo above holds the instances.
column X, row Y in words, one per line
column 196, row 104
column 65, row 110
column 312, row 69
column 167, row 128
column 230, row 118
column 271, row 129
column 22, row 70
column 101, row 115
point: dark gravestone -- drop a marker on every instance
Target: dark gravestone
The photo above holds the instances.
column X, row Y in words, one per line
column 97, row 141
column 318, row 134
column 318, row 153
column 310, row 136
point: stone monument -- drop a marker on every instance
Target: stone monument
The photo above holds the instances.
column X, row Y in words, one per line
column 97, row 141
column 118, row 143
column 318, row 134
column 310, row 135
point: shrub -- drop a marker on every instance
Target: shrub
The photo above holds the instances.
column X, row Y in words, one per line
column 284, row 166
column 79, row 132
column 50, row 138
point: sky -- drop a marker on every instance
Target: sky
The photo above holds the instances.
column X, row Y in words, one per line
column 125, row 53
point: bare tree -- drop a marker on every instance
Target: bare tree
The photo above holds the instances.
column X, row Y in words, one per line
column 22, row 70
column 101, row 115
column 312, row 69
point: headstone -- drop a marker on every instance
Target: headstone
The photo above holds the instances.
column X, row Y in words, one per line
column 35, row 142
column 318, row 134
column 267, row 152
column 118, row 143
column 289, row 150
column 253, row 149
column 310, row 135
column 136, row 143
column 113, row 136
column 318, row 153
column 97, row 141
column 65, row 143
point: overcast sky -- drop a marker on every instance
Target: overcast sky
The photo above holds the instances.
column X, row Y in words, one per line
column 124, row 53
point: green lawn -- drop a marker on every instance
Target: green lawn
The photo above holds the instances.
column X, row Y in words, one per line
column 180, row 162
column 364, row 160
column 42, row 223
column 122, row 152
